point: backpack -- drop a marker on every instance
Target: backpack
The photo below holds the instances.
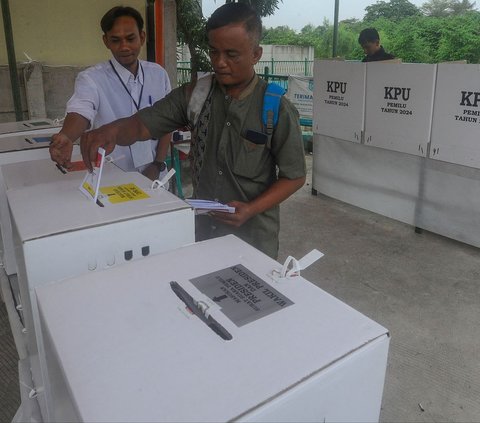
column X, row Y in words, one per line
column 271, row 102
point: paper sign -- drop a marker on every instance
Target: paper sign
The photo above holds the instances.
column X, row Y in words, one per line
column 242, row 295
column 91, row 182
column 122, row 193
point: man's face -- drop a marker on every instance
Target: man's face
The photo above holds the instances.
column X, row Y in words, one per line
column 371, row 47
column 125, row 41
column 233, row 54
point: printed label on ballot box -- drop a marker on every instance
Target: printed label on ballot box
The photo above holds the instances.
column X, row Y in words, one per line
column 242, row 295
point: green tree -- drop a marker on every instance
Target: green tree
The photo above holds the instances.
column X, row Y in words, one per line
column 393, row 10
column 461, row 7
column 280, row 35
column 191, row 28
column 442, row 8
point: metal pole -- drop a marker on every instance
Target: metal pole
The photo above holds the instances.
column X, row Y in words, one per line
column 335, row 29
column 12, row 62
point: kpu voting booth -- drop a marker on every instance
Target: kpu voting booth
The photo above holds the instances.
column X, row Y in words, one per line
column 403, row 143
column 209, row 332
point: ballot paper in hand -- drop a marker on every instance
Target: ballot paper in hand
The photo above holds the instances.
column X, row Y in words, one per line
column 205, row 206
column 91, row 183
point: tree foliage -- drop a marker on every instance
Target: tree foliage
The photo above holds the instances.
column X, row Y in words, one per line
column 442, row 8
column 415, row 37
column 191, row 27
column 393, row 10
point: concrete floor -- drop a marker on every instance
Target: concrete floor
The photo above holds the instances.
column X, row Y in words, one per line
column 423, row 287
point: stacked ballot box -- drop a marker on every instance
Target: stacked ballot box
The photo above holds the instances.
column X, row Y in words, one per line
column 58, row 232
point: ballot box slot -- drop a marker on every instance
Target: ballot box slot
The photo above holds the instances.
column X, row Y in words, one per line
column 200, row 309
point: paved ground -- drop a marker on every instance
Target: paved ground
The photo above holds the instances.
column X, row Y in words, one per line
column 424, row 288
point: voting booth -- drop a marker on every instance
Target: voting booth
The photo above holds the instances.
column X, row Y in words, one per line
column 418, row 158
column 398, row 106
column 456, row 121
column 121, row 344
column 339, row 99
column 58, row 233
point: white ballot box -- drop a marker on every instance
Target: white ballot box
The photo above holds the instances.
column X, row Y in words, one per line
column 22, row 172
column 122, row 346
column 58, row 233
column 28, row 127
column 15, row 149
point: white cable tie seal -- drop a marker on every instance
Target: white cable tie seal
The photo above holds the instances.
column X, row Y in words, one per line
column 292, row 267
column 58, row 121
column 156, row 184
column 203, row 306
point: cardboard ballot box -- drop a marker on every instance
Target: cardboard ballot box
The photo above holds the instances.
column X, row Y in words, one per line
column 58, row 233
column 27, row 127
column 122, row 346
column 20, row 170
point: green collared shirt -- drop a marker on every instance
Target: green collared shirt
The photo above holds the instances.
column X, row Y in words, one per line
column 235, row 168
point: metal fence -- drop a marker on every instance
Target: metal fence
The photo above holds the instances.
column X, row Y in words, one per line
column 271, row 70
column 183, row 76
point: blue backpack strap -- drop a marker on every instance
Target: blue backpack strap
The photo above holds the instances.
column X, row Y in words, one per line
column 271, row 105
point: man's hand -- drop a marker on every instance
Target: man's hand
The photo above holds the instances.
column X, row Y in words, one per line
column 243, row 212
column 61, row 148
column 123, row 131
column 91, row 141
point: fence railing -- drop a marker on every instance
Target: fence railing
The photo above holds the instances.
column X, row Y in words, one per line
column 183, row 76
column 271, row 70
column 286, row 67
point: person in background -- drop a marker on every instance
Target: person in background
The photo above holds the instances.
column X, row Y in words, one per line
column 115, row 89
column 369, row 39
column 234, row 160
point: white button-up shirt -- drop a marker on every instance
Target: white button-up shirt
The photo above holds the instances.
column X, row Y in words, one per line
column 101, row 98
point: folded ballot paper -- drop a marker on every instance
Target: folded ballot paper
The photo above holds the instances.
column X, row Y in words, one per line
column 205, row 206
column 91, row 183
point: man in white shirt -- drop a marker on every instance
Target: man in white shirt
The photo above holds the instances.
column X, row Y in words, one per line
column 116, row 89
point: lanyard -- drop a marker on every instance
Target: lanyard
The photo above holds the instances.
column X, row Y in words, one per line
column 137, row 105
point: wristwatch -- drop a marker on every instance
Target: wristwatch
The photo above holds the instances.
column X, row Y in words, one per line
column 161, row 166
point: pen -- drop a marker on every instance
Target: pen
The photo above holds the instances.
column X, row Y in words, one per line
column 150, row 100
column 192, row 305
column 61, row 169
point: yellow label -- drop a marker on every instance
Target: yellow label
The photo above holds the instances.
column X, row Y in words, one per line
column 123, row 193
column 89, row 188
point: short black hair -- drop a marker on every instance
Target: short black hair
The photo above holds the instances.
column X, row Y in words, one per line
column 368, row 35
column 116, row 12
column 231, row 13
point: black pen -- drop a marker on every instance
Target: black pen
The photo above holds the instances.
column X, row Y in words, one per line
column 61, row 169
column 192, row 305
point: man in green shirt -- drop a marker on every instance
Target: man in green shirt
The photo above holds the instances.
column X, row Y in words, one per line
column 234, row 160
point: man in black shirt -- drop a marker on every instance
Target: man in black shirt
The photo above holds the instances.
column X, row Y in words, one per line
column 370, row 42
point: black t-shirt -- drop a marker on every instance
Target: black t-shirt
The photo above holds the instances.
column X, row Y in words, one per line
column 379, row 55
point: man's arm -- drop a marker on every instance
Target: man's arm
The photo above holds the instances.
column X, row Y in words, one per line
column 275, row 194
column 151, row 171
column 61, row 146
column 124, row 131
